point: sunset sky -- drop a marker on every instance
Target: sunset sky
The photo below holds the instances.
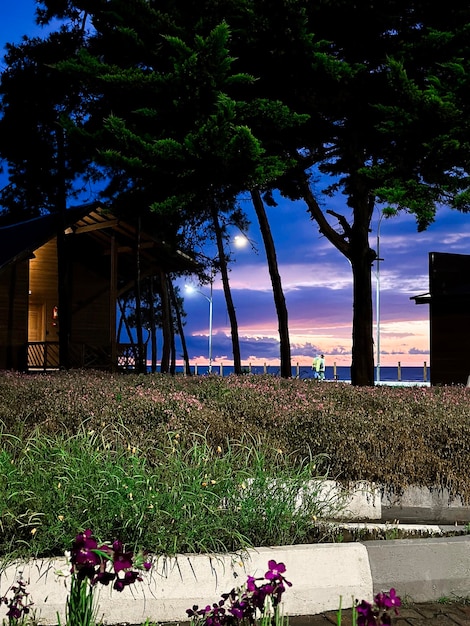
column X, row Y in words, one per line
column 316, row 278
column 317, row 282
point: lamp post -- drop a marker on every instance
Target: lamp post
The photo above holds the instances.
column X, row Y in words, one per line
column 377, row 300
column 191, row 289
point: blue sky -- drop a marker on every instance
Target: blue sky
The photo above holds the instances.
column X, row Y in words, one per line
column 316, row 278
column 317, row 282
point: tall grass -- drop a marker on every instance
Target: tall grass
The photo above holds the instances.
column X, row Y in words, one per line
column 189, row 497
column 208, row 463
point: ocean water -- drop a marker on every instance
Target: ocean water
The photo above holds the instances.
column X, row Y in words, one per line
column 387, row 374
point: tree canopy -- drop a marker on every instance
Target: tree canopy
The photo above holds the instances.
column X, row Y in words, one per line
column 186, row 102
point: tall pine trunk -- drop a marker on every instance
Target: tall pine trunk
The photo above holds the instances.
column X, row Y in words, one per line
column 166, row 324
column 237, row 366
column 153, row 326
column 279, row 300
column 180, row 329
column 361, row 257
column 353, row 242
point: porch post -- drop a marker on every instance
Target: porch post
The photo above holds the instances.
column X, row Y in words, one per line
column 113, row 303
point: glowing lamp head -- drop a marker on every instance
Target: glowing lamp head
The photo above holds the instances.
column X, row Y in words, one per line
column 240, row 241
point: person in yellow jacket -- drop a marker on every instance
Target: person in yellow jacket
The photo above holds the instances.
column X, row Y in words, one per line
column 318, row 367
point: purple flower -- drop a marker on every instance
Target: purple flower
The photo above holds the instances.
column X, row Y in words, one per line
column 90, row 561
column 275, row 570
column 84, row 558
column 213, row 615
column 192, row 612
column 367, row 616
column 129, row 578
column 237, row 612
column 391, row 600
column 250, row 583
column 103, row 577
column 18, row 604
column 14, row 612
column 246, row 604
column 275, row 573
column 377, row 614
column 121, row 560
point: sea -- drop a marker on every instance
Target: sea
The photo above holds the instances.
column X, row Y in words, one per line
column 388, row 375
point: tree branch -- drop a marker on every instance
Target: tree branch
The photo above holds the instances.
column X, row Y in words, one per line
column 324, row 226
column 343, row 222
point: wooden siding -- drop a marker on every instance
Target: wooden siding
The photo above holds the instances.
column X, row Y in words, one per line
column 14, row 316
column 43, row 288
column 89, row 292
column 91, row 295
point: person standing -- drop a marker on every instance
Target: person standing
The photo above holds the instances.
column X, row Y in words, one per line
column 318, row 367
column 315, row 367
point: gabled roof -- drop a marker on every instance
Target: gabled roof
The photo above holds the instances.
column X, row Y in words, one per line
column 19, row 241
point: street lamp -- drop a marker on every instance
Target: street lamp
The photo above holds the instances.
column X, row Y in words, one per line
column 377, row 299
column 191, row 289
column 240, row 241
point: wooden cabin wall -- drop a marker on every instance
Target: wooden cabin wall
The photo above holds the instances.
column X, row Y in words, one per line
column 90, row 307
column 44, row 294
column 89, row 291
column 14, row 316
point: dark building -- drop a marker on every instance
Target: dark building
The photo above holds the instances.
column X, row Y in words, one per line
column 449, row 317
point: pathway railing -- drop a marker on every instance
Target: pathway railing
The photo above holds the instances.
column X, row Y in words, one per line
column 333, row 372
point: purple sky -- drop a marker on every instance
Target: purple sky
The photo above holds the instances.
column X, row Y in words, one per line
column 315, row 276
column 317, row 282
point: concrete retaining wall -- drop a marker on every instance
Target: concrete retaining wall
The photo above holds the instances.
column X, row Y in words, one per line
column 420, row 569
column 366, row 501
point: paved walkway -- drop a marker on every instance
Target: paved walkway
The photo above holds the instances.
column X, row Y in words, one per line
column 429, row 614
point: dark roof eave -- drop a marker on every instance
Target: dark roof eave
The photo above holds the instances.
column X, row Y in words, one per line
column 423, row 298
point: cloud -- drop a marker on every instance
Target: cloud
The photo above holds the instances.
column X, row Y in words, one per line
column 294, row 276
column 417, row 351
column 317, row 282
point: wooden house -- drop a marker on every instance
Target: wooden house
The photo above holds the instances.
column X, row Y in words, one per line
column 449, row 317
column 101, row 265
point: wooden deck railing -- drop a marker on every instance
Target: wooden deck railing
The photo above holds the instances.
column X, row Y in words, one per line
column 44, row 355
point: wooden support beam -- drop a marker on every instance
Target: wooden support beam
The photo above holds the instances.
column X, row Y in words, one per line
column 97, row 226
column 147, row 245
column 113, row 302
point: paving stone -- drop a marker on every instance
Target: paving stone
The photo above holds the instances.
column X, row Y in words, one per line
column 460, row 614
column 425, row 614
column 317, row 620
column 433, row 609
column 406, row 612
column 332, row 617
column 438, row 620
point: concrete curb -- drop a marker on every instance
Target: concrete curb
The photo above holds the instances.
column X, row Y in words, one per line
column 422, row 570
column 367, row 501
